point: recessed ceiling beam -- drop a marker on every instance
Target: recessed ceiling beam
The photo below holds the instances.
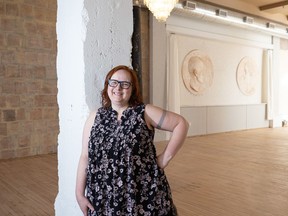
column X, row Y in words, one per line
column 273, row 5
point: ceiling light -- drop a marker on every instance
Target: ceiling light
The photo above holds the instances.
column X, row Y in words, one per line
column 160, row 8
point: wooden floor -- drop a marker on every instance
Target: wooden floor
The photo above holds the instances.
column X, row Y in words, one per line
column 241, row 173
column 28, row 186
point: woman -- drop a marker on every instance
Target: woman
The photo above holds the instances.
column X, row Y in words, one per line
column 118, row 164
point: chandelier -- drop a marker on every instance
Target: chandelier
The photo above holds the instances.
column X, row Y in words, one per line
column 160, row 8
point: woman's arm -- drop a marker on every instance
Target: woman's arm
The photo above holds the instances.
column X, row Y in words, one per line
column 83, row 202
column 168, row 121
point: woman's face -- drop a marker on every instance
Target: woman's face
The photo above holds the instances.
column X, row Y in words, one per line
column 117, row 94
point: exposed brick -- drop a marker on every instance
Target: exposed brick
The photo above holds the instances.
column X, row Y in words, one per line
column 29, row 121
column 45, row 100
column 20, row 114
column 21, row 87
column 27, row 101
column 27, row 11
column 26, row 127
column 23, row 152
column 13, row 128
column 51, row 15
column 9, row 115
column 39, row 72
column 34, row 87
column 2, row 101
column 14, row 40
column 39, row 43
column 40, row 3
column 50, row 113
column 12, row 9
column 2, row 72
column 7, row 154
column 3, row 129
column 12, row 71
column 24, row 141
column 50, row 73
column 2, row 8
column 30, row 28
column 31, row 58
column 44, row 59
column 8, row 57
column 12, row 100
column 53, row 125
column 9, row 24
column 2, row 39
column 36, row 114
column 41, row 13
column 45, row 30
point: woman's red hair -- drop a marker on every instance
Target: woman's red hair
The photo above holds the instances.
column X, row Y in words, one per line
column 136, row 97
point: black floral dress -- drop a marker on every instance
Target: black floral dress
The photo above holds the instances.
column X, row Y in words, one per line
column 123, row 177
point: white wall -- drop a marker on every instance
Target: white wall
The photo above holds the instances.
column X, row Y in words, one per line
column 230, row 42
column 93, row 36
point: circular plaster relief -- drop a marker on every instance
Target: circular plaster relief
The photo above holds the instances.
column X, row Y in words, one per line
column 197, row 72
column 247, row 76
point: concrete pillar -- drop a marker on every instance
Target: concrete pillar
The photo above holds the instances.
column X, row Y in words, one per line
column 93, row 36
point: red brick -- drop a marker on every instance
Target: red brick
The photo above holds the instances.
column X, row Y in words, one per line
column 24, row 141
column 34, row 87
column 12, row 9
column 39, row 72
column 45, row 100
column 36, row 114
column 46, row 30
column 2, row 8
column 27, row 11
column 8, row 57
column 40, row 13
column 21, row 87
column 26, row 127
column 2, row 101
column 12, row 100
column 39, row 43
column 7, row 154
column 8, row 142
column 27, row 100
column 12, row 71
column 31, row 58
column 51, row 15
column 2, row 40
column 14, row 40
column 53, row 125
column 13, row 128
column 50, row 113
column 41, row 3
column 23, row 152
column 9, row 115
column 50, row 73
column 3, row 129
column 30, row 28
column 20, row 114
column 49, row 87
column 8, row 87
column 9, row 24
column 44, row 59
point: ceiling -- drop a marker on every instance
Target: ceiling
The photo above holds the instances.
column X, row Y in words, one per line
column 272, row 9
column 270, row 6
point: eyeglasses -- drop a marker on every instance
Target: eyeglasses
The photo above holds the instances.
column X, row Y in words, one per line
column 123, row 84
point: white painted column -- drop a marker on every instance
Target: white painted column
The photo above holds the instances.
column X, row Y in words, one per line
column 93, row 36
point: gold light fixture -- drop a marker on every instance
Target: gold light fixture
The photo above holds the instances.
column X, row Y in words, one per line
column 161, row 9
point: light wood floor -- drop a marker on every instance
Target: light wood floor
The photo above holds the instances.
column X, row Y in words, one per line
column 241, row 173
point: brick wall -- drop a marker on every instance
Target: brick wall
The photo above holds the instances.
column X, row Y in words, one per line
column 28, row 83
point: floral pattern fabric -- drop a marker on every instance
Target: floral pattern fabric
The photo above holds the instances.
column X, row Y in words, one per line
column 123, row 177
